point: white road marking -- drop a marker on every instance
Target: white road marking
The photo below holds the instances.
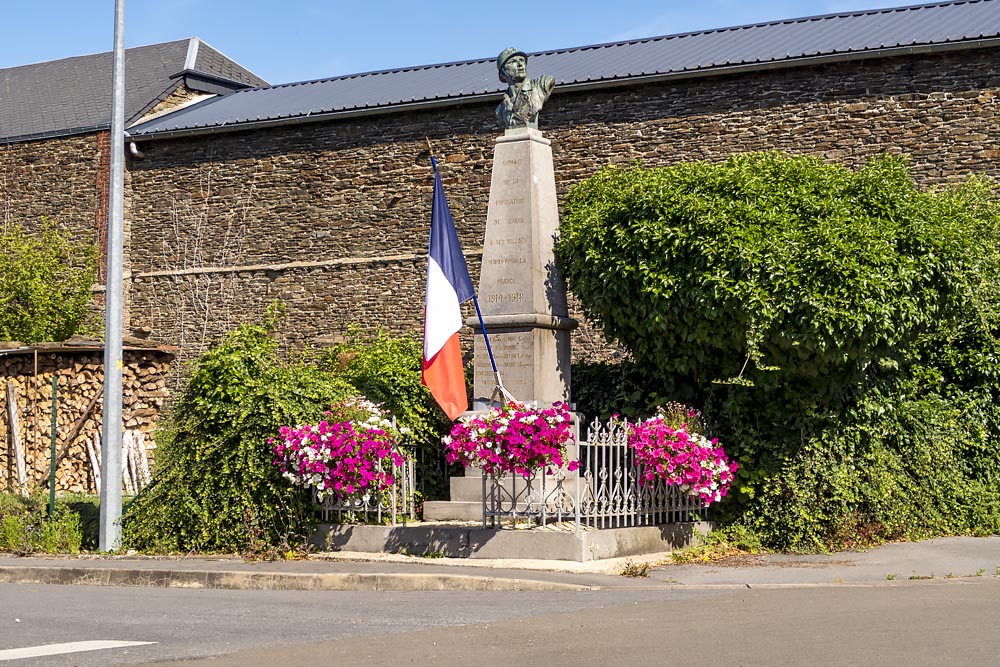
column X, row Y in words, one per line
column 59, row 649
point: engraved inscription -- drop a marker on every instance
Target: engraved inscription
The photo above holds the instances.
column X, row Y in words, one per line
column 509, row 241
column 505, row 297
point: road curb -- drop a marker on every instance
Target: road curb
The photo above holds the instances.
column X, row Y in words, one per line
column 936, row 581
column 270, row 581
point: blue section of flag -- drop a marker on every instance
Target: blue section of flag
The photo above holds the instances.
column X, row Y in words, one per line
column 445, row 248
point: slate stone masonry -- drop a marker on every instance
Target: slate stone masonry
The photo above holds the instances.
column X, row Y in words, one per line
column 312, row 210
column 332, row 217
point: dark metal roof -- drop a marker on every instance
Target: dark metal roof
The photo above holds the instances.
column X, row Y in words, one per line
column 779, row 43
column 73, row 95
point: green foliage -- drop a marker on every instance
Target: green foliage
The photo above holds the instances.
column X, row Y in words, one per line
column 838, row 327
column 25, row 526
column 726, row 542
column 387, row 370
column 45, row 282
column 215, row 488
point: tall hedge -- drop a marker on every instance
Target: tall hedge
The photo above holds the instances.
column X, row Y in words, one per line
column 840, row 327
column 45, row 282
column 215, row 488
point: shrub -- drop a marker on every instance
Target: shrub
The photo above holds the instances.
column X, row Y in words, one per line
column 215, row 487
column 387, row 370
column 840, row 326
column 26, row 528
column 45, row 282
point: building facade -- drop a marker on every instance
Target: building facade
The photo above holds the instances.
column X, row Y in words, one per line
column 234, row 203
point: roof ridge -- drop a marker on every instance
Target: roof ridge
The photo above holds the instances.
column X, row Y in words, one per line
column 205, row 44
column 192, row 53
column 91, row 55
column 763, row 24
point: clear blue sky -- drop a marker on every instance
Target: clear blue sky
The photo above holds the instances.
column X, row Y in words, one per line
column 295, row 40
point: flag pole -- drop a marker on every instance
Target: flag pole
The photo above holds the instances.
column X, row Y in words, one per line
column 499, row 389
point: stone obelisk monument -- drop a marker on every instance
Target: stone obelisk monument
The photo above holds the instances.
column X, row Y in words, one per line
column 522, row 296
column 521, row 291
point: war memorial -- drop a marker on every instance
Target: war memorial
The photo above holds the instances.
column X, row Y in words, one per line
column 599, row 511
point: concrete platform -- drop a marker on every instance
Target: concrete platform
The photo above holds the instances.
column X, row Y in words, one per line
column 471, row 540
column 453, row 510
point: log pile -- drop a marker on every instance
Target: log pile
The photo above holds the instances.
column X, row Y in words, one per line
column 26, row 375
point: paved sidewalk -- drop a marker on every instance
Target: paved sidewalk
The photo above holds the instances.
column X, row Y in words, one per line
column 947, row 559
column 944, row 559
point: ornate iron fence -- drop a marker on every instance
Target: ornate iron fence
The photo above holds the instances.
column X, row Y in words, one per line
column 391, row 506
column 604, row 492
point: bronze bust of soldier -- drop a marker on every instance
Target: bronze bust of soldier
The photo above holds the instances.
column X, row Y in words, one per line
column 524, row 97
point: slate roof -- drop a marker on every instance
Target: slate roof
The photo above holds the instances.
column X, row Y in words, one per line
column 936, row 26
column 73, row 95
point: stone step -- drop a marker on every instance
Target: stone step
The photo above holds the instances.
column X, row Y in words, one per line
column 470, row 489
column 466, row 489
column 445, row 510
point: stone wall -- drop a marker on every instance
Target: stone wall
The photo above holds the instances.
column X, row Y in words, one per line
column 79, row 402
column 53, row 178
column 333, row 217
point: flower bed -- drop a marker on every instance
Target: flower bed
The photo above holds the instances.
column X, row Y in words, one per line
column 680, row 456
column 350, row 454
column 514, row 438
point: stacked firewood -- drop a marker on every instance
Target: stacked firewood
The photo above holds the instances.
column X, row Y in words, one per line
column 26, row 400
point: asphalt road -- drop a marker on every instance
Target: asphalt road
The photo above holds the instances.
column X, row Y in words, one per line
column 939, row 622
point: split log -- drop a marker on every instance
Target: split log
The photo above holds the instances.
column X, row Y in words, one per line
column 94, row 449
column 14, row 422
column 144, row 472
column 77, row 427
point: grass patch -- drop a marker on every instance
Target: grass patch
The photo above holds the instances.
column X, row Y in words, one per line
column 26, row 528
column 726, row 542
column 633, row 569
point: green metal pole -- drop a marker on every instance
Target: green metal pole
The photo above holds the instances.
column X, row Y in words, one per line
column 52, row 463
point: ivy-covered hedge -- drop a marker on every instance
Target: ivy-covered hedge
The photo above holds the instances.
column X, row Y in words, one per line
column 215, row 488
column 839, row 326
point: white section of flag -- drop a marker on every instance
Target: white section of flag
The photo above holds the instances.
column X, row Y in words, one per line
column 68, row 647
column 442, row 314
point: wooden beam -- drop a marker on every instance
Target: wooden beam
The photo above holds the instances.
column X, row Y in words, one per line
column 14, row 433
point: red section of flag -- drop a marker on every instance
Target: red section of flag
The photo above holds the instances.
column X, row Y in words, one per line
column 445, row 377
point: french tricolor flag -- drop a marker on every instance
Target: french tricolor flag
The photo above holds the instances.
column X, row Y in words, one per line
column 448, row 285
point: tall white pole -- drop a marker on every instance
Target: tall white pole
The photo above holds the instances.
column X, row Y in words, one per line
column 110, row 538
